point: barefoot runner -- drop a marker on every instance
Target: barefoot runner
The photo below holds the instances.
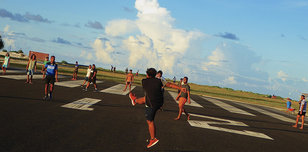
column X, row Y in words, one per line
column 129, row 80
column 182, row 98
column 31, row 67
column 75, row 71
column 6, row 63
column 51, row 69
column 301, row 112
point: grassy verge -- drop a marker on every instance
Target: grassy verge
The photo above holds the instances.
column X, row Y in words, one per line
column 212, row 91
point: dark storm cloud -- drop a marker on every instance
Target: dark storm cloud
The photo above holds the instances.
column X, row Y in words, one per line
column 96, row 25
column 227, row 35
column 61, row 41
column 23, row 18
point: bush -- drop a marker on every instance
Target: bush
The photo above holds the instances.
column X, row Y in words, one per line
column 4, row 50
column 20, row 51
column 64, row 62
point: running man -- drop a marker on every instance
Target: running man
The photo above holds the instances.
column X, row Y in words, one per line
column 51, row 69
column 75, row 71
column 129, row 80
column 6, row 63
column 183, row 98
column 301, row 112
column 45, row 62
column 92, row 78
column 87, row 78
column 153, row 100
column 31, row 67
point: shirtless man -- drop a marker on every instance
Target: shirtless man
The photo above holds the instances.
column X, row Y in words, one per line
column 129, row 80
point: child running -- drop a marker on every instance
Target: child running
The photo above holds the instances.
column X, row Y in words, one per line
column 31, row 67
column 183, row 98
column 301, row 112
column 129, row 80
column 75, row 71
column 92, row 78
column 51, row 69
column 87, row 78
column 6, row 63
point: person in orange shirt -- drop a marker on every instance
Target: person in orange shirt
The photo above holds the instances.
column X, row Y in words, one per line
column 129, row 80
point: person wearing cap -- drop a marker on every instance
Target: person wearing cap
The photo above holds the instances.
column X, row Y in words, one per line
column 301, row 112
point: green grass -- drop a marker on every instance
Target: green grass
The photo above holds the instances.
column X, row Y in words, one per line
column 212, row 91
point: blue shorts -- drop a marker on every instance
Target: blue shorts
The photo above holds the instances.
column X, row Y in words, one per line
column 4, row 65
column 150, row 113
column 30, row 72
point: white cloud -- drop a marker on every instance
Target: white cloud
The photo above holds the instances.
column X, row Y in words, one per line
column 120, row 27
column 214, row 60
column 230, row 80
column 282, row 75
column 305, row 80
column 86, row 54
column 7, row 37
column 152, row 39
column 103, row 50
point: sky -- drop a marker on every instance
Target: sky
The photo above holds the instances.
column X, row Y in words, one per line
column 258, row 46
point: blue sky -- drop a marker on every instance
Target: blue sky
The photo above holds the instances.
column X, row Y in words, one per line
column 258, row 46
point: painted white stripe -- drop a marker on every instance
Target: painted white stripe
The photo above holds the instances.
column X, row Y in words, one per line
column 24, row 77
column 207, row 125
column 72, row 83
column 228, row 107
column 118, row 89
column 193, row 103
column 13, row 71
column 274, row 115
column 82, row 104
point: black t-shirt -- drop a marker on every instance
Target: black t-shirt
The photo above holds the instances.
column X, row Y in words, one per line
column 92, row 73
column 153, row 93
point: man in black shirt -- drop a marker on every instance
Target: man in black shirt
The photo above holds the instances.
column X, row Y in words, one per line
column 153, row 100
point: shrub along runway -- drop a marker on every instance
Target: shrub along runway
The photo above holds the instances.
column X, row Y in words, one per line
column 106, row 121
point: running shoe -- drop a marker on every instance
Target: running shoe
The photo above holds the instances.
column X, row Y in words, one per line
column 45, row 98
column 152, row 142
column 132, row 98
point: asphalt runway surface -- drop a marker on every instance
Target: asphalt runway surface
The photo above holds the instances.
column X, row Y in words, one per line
column 88, row 121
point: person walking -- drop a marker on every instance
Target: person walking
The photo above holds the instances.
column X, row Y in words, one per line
column 31, row 68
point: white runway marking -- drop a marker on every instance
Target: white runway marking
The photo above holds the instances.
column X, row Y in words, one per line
column 208, row 125
column 228, row 107
column 24, row 77
column 13, row 71
column 118, row 89
column 193, row 103
column 82, row 104
column 274, row 115
column 72, row 83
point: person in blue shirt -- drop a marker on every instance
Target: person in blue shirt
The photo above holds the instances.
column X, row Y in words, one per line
column 289, row 105
column 51, row 70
